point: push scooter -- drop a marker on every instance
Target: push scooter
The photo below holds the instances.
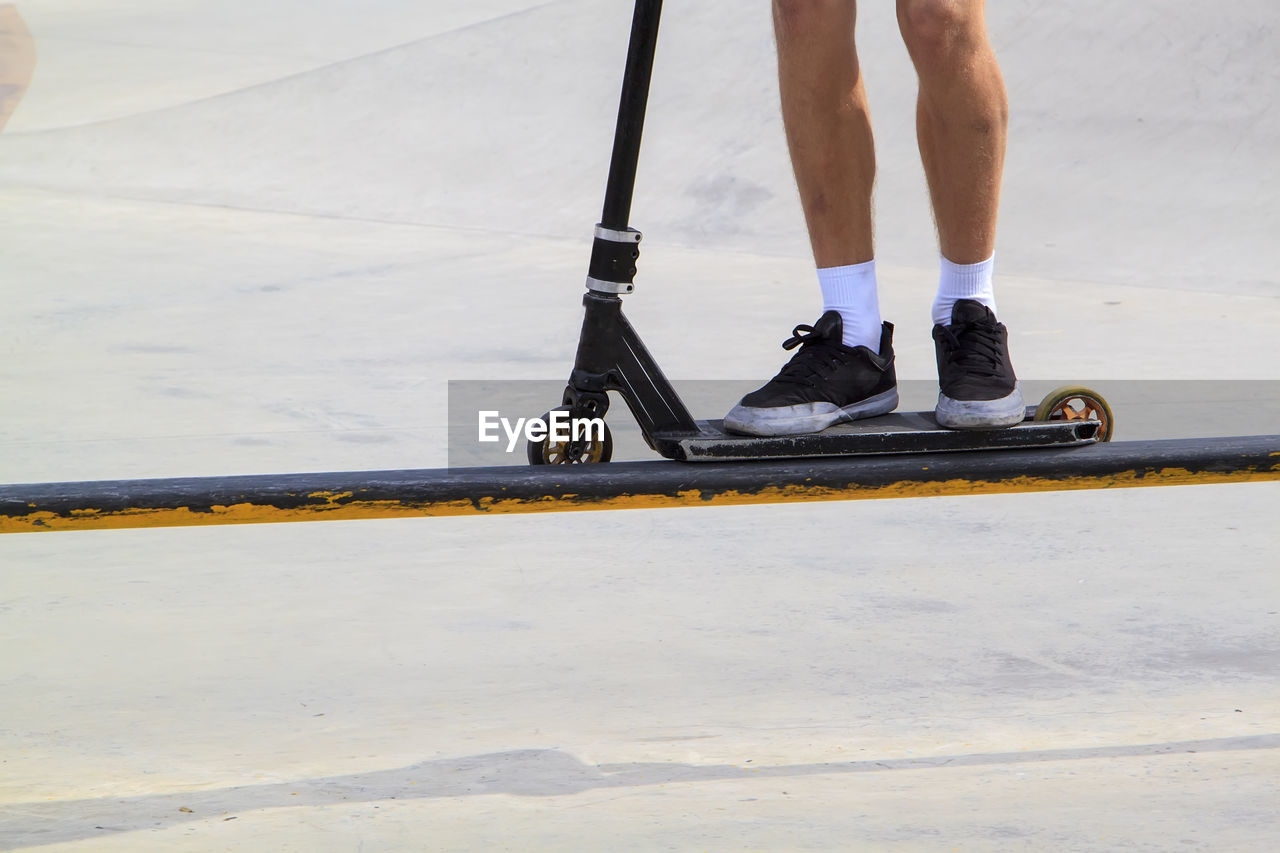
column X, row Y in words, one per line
column 611, row 356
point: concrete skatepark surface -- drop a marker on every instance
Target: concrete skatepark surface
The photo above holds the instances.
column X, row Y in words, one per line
column 245, row 238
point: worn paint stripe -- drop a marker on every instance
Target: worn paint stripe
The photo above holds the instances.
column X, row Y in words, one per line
column 347, row 505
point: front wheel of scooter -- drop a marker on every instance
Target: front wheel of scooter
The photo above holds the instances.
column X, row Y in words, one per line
column 597, row 447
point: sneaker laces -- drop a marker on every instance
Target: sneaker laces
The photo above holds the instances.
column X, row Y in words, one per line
column 975, row 347
column 815, row 360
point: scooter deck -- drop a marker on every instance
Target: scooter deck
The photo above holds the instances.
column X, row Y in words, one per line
column 899, row 432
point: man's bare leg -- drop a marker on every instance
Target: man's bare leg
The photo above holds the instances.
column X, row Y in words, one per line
column 17, row 60
column 824, row 110
column 961, row 120
column 962, row 116
column 843, row 366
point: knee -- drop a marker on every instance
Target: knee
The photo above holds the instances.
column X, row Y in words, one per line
column 939, row 32
column 804, row 17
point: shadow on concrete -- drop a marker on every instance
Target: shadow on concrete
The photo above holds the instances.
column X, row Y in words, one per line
column 527, row 772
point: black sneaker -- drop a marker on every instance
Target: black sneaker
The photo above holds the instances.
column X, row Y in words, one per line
column 978, row 389
column 825, row 383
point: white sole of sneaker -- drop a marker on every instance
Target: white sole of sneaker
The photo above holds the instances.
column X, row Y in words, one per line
column 807, row 417
column 981, row 414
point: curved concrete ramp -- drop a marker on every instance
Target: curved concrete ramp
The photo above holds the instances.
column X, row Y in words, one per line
column 492, row 118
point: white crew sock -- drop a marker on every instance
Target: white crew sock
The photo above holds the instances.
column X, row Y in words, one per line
column 851, row 290
column 963, row 281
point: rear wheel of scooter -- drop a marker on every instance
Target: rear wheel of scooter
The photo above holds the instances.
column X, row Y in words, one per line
column 547, row 452
column 1077, row 403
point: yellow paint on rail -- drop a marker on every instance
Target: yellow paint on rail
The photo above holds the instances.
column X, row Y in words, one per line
column 341, row 506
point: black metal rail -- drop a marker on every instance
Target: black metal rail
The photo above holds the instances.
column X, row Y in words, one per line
column 394, row 494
